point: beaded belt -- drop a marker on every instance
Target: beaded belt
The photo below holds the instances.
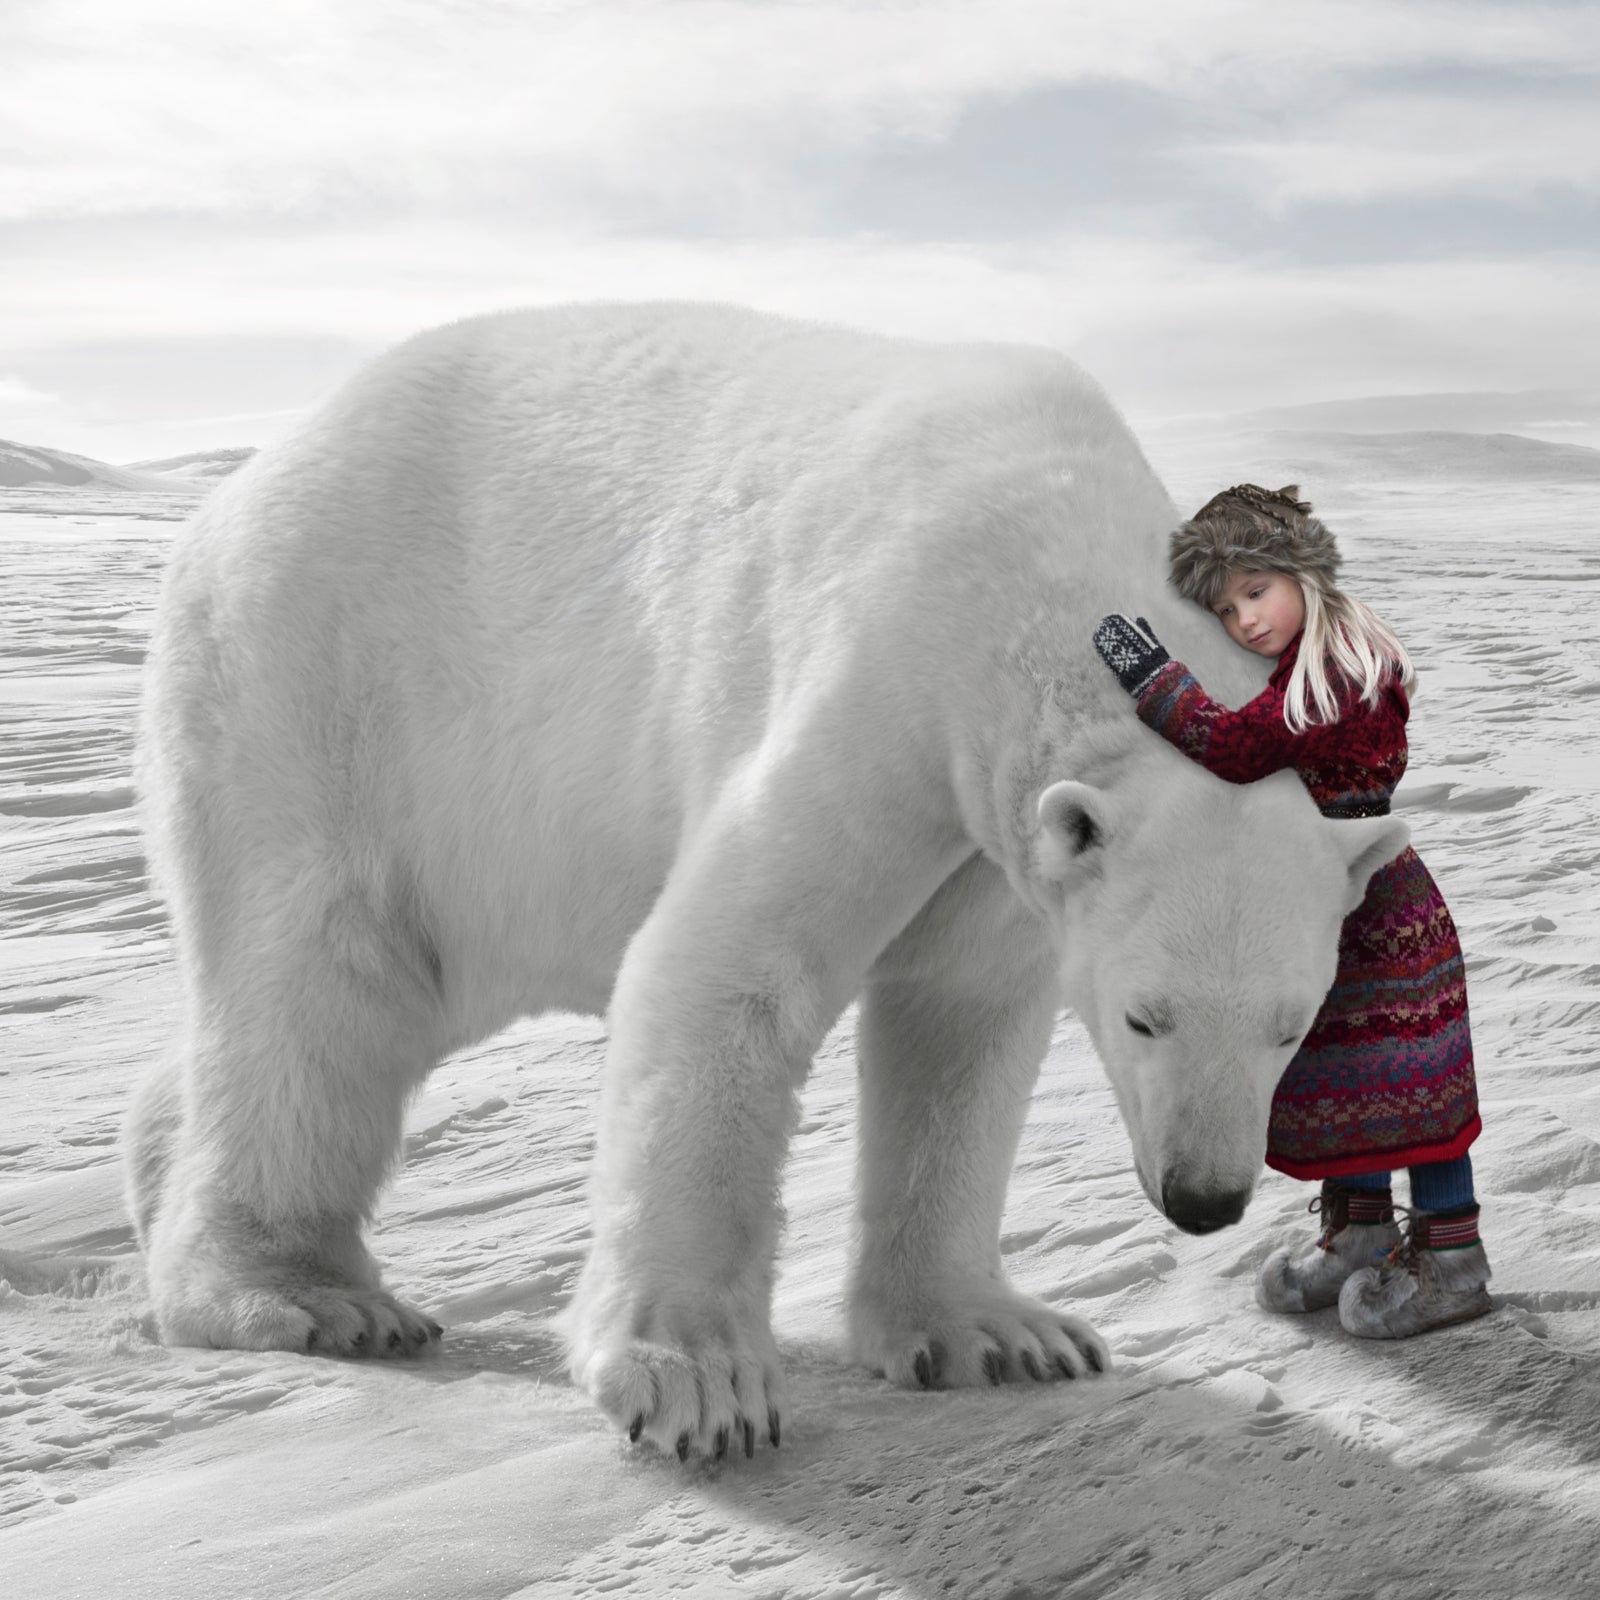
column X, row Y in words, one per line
column 1346, row 809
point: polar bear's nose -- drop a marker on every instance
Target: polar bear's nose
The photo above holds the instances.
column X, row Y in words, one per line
column 1202, row 1210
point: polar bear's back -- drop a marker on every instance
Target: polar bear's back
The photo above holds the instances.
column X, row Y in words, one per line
column 635, row 415
column 623, row 425
column 693, row 495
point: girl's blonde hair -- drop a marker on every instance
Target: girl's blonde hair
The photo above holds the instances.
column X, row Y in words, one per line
column 1250, row 529
column 1342, row 631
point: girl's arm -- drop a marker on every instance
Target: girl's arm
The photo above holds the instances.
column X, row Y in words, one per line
column 1240, row 746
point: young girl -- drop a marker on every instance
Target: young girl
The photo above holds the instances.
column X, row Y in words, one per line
column 1384, row 1078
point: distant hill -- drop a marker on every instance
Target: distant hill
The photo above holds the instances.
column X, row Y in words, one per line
column 23, row 465
column 204, row 466
column 1559, row 415
column 1465, row 457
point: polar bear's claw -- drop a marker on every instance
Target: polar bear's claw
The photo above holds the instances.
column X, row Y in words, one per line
column 363, row 1323
column 309, row 1319
column 993, row 1340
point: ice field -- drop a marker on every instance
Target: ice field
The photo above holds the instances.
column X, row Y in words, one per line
column 1230, row 1453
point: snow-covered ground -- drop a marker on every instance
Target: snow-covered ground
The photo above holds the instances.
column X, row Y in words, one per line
column 1231, row 1453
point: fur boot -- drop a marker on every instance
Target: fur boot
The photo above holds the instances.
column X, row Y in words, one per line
column 1422, row 1288
column 1311, row 1280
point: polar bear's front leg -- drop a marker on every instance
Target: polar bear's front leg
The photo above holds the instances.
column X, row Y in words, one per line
column 757, row 944
column 670, row 1328
column 953, row 1027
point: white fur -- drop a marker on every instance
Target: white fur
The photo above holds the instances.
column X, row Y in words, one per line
column 709, row 671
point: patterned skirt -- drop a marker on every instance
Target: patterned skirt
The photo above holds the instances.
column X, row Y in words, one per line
column 1384, row 1078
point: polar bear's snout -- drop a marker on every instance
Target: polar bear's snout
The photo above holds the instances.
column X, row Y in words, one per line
column 1196, row 972
column 1198, row 1208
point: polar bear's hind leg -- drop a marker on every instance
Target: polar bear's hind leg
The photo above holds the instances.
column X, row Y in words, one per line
column 258, row 1159
column 149, row 1140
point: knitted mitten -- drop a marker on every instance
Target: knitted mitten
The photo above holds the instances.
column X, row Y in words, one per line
column 1132, row 651
column 1438, row 1277
column 1357, row 1226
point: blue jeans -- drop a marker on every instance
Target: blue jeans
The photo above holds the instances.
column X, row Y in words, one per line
column 1438, row 1186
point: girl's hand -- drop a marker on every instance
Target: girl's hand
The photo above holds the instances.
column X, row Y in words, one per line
column 1131, row 650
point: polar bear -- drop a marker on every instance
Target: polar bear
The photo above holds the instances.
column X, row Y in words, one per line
column 707, row 671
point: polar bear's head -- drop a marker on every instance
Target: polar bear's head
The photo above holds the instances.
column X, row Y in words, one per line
column 1200, row 925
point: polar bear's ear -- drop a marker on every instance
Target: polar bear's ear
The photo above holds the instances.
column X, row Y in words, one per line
column 1368, row 844
column 1075, row 820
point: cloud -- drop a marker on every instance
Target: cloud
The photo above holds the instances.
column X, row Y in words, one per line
column 1237, row 337
column 17, row 394
column 1166, row 323
column 1504, row 146
column 562, row 110
column 1216, row 206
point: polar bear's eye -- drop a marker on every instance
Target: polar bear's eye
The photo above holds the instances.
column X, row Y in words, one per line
column 1292, row 1028
column 1140, row 1027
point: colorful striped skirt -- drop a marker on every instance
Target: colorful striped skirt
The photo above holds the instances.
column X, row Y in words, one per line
column 1384, row 1078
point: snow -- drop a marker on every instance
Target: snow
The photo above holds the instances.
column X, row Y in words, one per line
column 24, row 464
column 201, row 466
column 1231, row 1453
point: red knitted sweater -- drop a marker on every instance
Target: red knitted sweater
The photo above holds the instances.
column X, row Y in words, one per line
column 1351, row 766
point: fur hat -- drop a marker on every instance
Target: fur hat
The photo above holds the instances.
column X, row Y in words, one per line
column 1249, row 529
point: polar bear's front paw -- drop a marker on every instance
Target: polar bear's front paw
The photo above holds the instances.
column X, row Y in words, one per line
column 707, row 1398
column 991, row 1336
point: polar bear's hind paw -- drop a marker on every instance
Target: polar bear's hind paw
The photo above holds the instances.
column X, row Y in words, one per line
column 367, row 1323
column 320, row 1320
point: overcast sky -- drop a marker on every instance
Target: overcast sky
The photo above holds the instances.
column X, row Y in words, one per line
column 212, row 210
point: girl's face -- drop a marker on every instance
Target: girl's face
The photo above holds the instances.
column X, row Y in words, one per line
column 1263, row 611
